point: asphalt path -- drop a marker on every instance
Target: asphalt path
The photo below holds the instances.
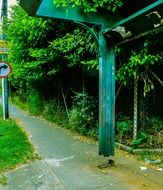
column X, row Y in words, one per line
column 70, row 162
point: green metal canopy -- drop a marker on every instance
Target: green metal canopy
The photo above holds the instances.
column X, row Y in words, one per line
column 141, row 17
column 131, row 20
column 47, row 8
column 134, row 17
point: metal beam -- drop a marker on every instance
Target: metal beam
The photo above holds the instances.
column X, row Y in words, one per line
column 106, row 97
column 30, row 6
column 156, row 30
column 47, row 8
column 135, row 15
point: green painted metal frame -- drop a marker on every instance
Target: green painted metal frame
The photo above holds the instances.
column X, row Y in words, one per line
column 106, row 96
column 45, row 8
column 30, row 6
column 135, row 15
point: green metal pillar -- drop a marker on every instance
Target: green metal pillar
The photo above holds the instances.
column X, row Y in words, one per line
column 106, row 96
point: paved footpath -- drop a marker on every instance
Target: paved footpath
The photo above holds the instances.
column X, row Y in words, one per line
column 69, row 163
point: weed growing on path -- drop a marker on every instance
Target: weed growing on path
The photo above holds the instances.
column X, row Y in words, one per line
column 3, row 180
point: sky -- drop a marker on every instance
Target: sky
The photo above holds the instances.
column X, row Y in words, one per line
column 10, row 2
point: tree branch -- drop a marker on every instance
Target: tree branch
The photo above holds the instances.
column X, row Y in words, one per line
column 156, row 77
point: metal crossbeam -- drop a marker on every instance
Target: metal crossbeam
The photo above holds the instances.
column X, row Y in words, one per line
column 47, row 8
column 135, row 15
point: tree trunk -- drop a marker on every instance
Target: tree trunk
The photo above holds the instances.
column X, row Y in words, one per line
column 143, row 109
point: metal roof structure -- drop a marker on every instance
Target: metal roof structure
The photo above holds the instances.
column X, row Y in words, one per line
column 133, row 19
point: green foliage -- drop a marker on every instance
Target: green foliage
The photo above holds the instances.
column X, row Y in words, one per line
column 123, row 130
column 142, row 138
column 14, row 146
column 75, row 46
column 30, row 55
column 26, row 33
column 154, row 125
column 91, row 6
column 50, row 109
column 82, row 116
column 153, row 130
column 91, row 64
column 150, row 136
column 55, row 113
column 124, row 126
column 42, row 48
column 20, row 99
column 3, row 179
column 137, row 67
column 35, row 103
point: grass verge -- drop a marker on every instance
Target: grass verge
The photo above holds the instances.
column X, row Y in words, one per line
column 15, row 148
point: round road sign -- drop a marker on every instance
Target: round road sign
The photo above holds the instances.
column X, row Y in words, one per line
column 5, row 69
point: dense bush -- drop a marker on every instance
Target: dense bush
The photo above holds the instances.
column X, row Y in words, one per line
column 148, row 137
column 124, row 131
column 83, row 115
column 35, row 103
column 55, row 112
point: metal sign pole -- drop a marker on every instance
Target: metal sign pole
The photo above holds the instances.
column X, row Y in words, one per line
column 5, row 98
column 4, row 80
column 5, row 70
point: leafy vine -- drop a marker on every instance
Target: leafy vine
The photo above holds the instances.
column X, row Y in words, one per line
column 91, row 5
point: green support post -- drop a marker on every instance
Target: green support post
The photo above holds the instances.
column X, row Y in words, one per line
column 106, row 97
